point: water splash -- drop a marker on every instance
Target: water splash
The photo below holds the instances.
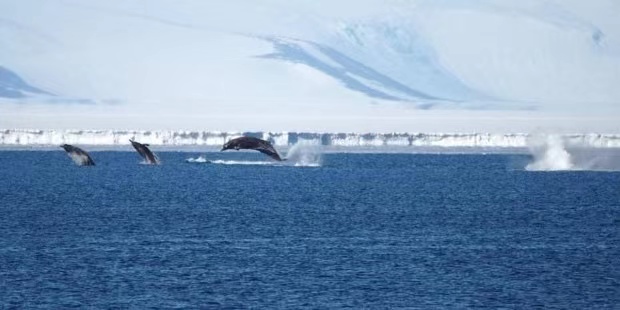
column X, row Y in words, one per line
column 304, row 154
column 203, row 160
column 200, row 159
column 246, row 162
column 549, row 154
column 557, row 153
column 147, row 162
column 79, row 159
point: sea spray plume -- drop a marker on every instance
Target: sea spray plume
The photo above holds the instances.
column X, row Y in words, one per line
column 596, row 159
column 145, row 152
column 252, row 143
column 79, row 156
column 555, row 153
column 305, row 154
column 549, row 153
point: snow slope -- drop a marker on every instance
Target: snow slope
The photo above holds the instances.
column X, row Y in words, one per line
column 256, row 59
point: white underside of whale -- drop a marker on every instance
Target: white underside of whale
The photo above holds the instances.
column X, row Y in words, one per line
column 79, row 159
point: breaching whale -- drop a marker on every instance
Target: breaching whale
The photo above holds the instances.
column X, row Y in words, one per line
column 251, row 143
column 79, row 156
column 144, row 151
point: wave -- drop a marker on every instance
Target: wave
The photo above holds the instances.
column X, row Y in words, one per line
column 203, row 160
column 37, row 137
column 198, row 160
column 245, row 162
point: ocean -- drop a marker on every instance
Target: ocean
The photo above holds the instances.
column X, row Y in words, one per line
column 338, row 230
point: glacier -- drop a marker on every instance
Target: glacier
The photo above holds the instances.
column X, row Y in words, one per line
column 37, row 137
column 534, row 51
column 103, row 59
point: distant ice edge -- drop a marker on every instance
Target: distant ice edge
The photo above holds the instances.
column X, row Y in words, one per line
column 35, row 137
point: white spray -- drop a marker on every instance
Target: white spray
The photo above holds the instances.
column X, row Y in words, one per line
column 200, row 159
column 549, row 154
column 304, row 154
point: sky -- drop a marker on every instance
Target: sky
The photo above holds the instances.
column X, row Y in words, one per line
column 276, row 65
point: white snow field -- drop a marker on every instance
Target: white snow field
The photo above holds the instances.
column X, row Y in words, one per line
column 338, row 66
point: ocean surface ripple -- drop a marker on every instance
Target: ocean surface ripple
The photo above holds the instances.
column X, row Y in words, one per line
column 358, row 230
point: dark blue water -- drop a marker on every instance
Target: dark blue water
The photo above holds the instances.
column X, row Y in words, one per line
column 362, row 230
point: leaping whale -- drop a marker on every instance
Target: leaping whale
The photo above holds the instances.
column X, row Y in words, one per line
column 145, row 152
column 79, row 156
column 251, row 143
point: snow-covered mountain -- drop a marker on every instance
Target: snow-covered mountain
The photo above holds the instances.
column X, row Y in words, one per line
column 13, row 86
column 243, row 60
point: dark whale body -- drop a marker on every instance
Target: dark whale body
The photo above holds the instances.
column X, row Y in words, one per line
column 79, row 156
column 251, row 143
column 145, row 152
